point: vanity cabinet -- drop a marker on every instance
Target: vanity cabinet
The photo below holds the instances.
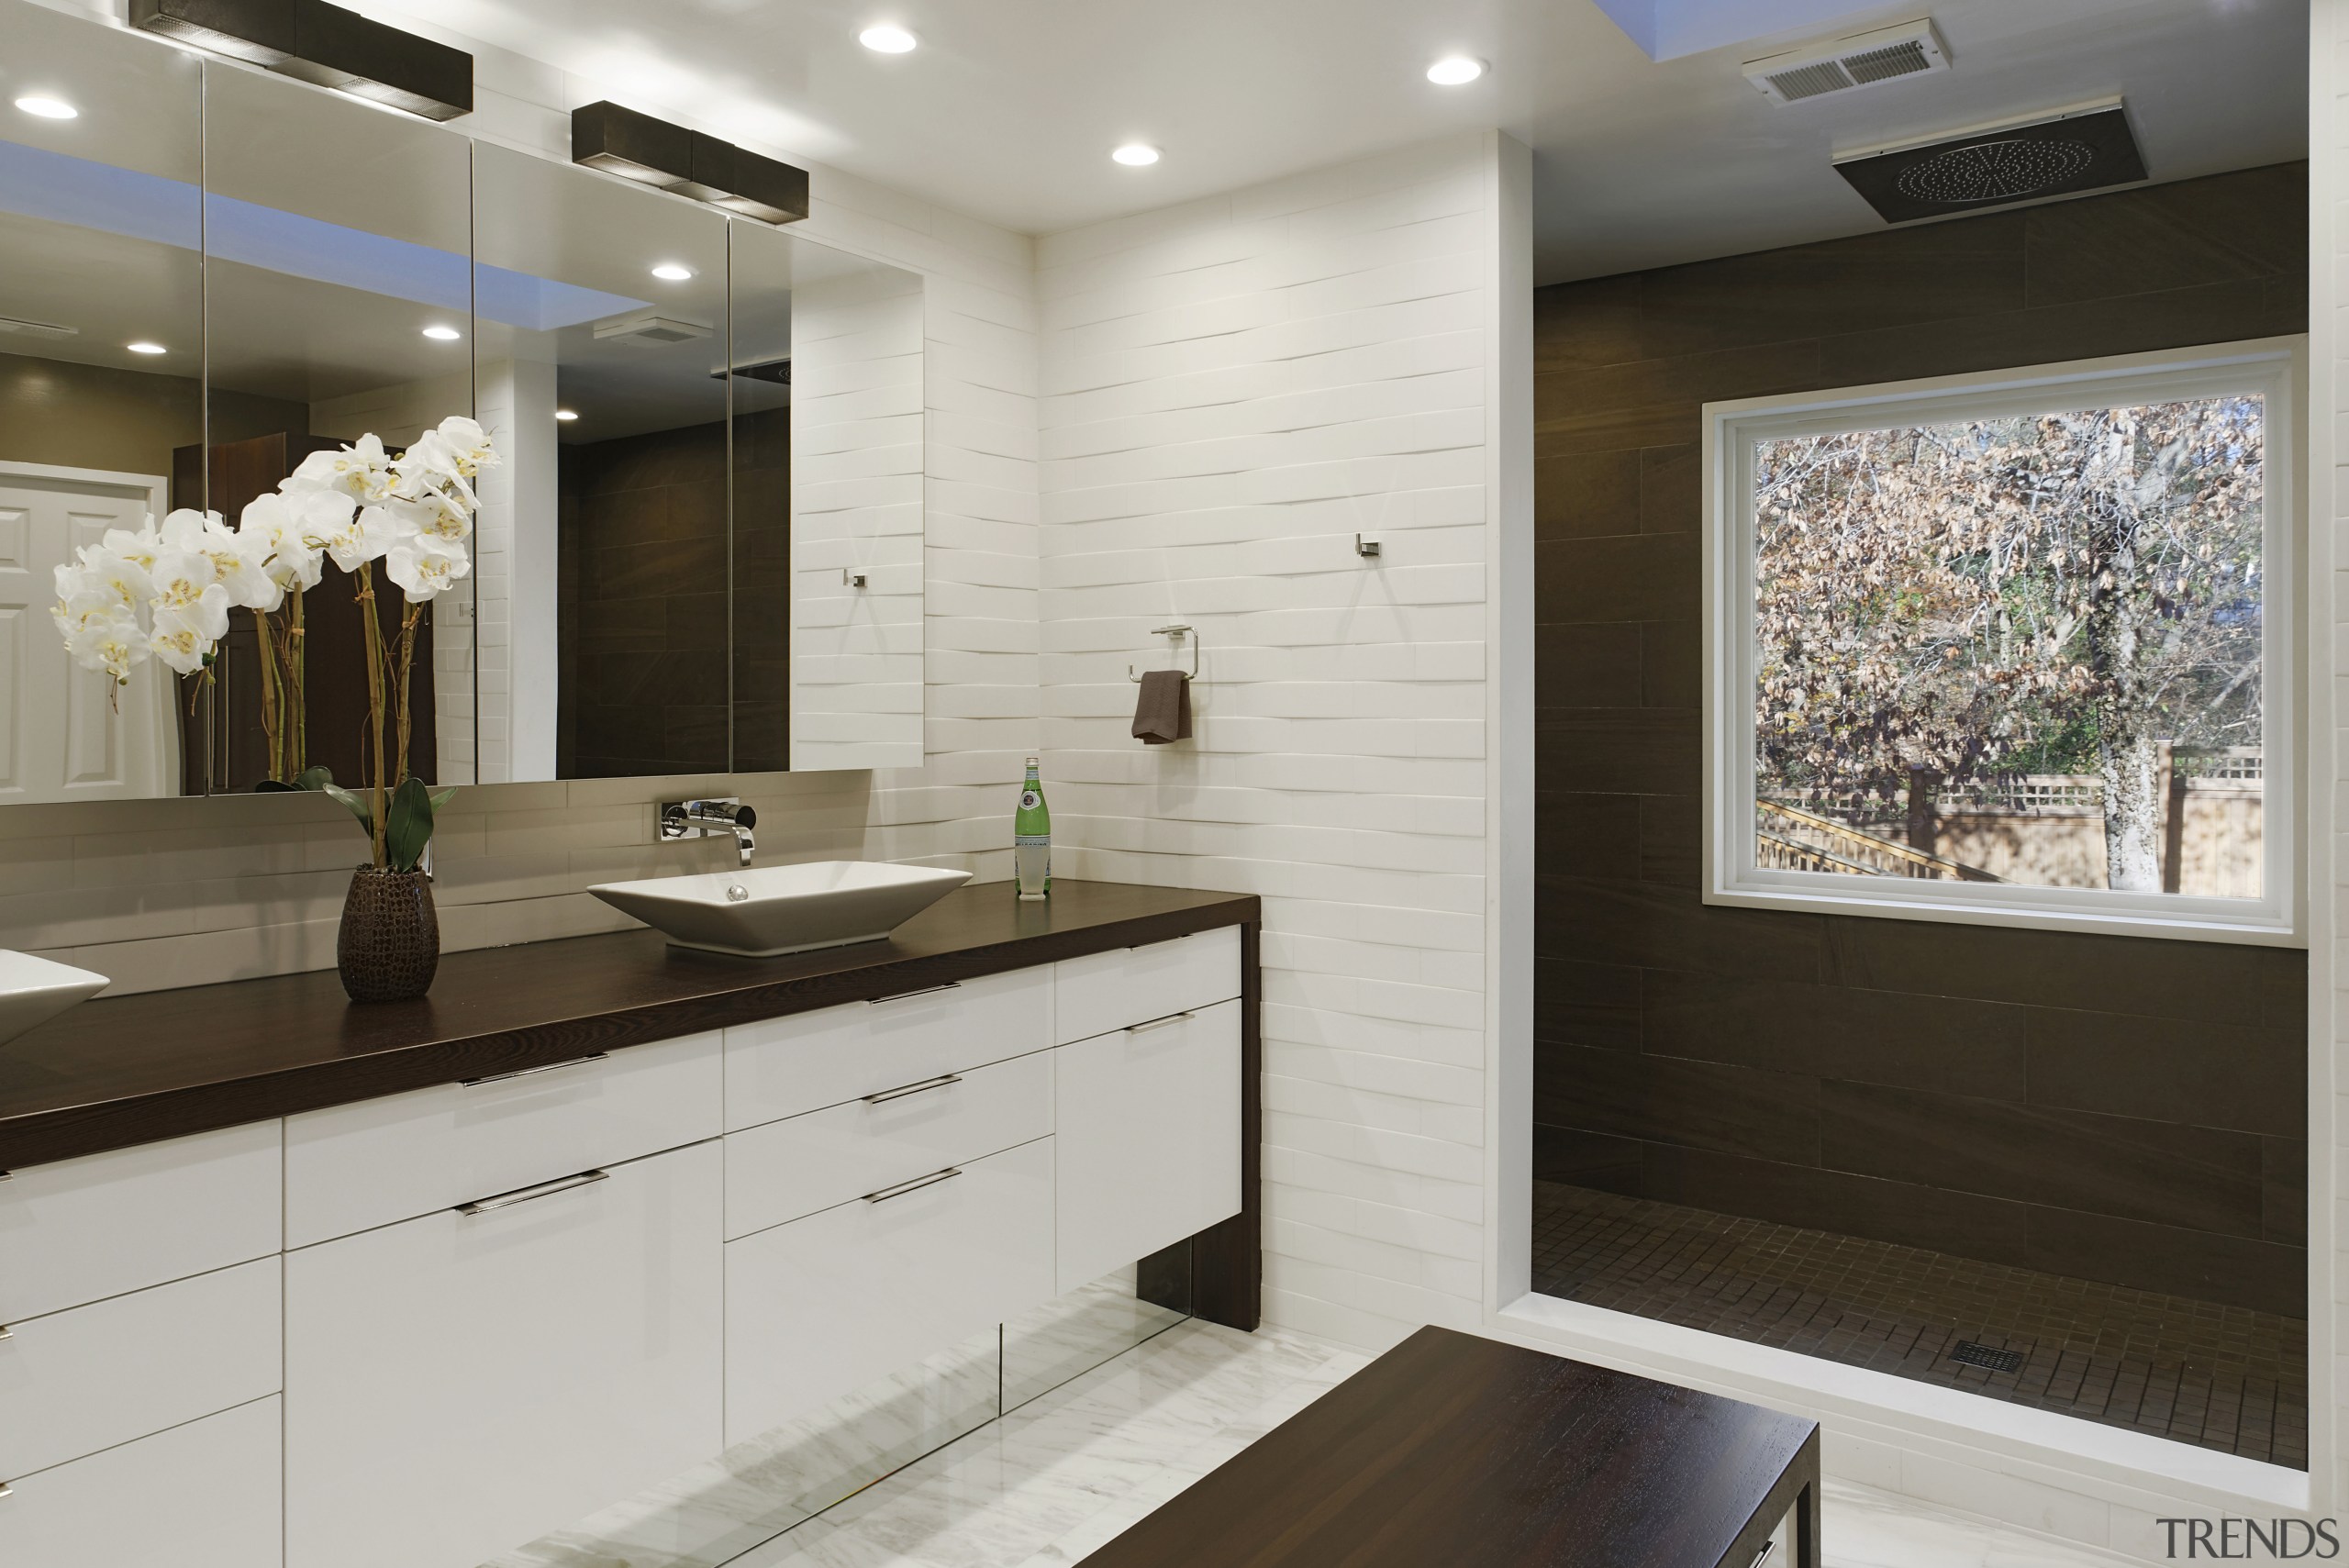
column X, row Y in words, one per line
column 80, row 1231
column 1105, row 991
column 140, row 1355
column 375, row 1162
column 90, row 1377
column 879, row 1282
column 782, row 1067
column 1149, row 1146
column 200, row 1496
column 423, row 1329
column 787, row 1169
column 464, row 1382
column 900, row 1199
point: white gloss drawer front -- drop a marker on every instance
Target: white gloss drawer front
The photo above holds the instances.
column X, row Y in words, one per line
column 75, row 1381
column 353, row 1167
column 80, row 1231
column 459, row 1384
column 785, row 1169
column 203, row 1496
column 1147, row 1119
column 783, row 1067
column 828, row 1303
column 1108, row 991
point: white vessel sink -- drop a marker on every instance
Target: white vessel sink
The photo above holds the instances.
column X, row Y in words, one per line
column 35, row 990
column 772, row 910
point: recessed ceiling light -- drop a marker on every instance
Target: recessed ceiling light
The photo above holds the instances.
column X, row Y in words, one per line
column 670, row 272
column 1455, row 70
column 48, row 108
column 1135, row 155
column 443, row 334
column 566, row 414
column 143, row 347
column 887, row 40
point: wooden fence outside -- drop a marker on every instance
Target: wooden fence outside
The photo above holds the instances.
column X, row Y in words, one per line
column 2044, row 830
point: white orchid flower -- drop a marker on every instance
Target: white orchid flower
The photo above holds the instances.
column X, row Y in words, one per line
column 444, row 518
column 179, row 641
column 130, row 583
column 302, row 522
column 254, row 583
column 185, row 528
column 78, row 606
column 188, row 586
column 109, row 640
column 137, row 547
column 424, row 571
column 370, row 532
column 237, row 563
column 359, row 471
column 270, row 535
column 470, row 444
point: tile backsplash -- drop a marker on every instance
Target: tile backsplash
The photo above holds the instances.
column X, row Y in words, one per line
column 157, row 895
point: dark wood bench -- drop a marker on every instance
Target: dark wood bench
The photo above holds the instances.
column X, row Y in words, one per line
column 1456, row 1451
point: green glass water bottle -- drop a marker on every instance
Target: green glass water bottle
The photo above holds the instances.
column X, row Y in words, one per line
column 1031, row 838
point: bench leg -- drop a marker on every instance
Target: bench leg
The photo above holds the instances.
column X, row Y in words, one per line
column 1807, row 1544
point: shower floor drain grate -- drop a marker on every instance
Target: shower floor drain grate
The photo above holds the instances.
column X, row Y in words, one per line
column 1973, row 1355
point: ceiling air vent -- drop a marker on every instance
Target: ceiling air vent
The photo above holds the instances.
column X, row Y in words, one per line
column 1861, row 59
column 24, row 329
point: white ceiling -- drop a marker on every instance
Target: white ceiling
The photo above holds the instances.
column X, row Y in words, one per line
column 1008, row 110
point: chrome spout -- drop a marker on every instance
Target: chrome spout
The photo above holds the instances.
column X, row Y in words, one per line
column 700, row 818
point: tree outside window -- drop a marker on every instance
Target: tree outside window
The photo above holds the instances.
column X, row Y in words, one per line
column 2007, row 637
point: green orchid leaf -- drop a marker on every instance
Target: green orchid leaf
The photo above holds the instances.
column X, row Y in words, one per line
column 354, row 804
column 440, row 802
column 407, row 825
column 322, row 778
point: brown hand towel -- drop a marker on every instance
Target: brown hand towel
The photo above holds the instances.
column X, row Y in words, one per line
column 1163, row 711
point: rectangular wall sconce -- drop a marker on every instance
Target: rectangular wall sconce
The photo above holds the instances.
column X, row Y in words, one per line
column 622, row 142
column 324, row 45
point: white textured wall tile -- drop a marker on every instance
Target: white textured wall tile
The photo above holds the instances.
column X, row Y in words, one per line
column 1231, row 390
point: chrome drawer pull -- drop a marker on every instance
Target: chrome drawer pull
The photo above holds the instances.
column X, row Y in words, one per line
column 527, row 1194
column 6, row 1332
column 5, row 1490
column 526, row 1072
column 886, row 1095
column 1156, row 1023
column 902, row 1188
column 908, row 995
column 1764, row 1555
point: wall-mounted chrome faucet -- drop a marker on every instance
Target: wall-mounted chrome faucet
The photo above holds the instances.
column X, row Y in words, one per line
column 700, row 818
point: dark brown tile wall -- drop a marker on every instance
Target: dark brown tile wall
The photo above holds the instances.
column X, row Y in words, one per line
column 2126, row 1110
column 763, row 591
column 644, row 602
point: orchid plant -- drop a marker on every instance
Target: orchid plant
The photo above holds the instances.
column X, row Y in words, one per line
column 166, row 592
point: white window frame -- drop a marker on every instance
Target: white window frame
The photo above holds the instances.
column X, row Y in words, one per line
column 2276, row 368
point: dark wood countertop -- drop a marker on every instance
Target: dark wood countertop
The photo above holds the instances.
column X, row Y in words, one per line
column 131, row 1070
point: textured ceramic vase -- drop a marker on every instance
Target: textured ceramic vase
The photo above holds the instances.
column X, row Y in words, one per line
column 390, row 942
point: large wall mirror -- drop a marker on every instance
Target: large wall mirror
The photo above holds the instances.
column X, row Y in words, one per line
column 702, row 553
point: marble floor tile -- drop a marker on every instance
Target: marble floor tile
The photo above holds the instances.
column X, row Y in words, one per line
column 1061, row 1476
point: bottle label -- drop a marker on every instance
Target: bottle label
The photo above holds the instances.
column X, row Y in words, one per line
column 1031, row 841
column 1029, row 799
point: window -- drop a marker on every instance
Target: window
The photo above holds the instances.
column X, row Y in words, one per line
column 2013, row 648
